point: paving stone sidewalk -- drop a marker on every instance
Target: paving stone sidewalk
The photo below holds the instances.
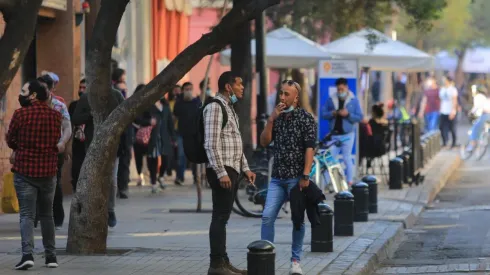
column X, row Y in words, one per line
column 150, row 240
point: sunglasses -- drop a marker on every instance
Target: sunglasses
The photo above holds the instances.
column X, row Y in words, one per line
column 292, row 83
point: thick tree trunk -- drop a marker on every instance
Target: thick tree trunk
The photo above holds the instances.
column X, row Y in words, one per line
column 88, row 220
column 241, row 64
column 21, row 19
column 87, row 231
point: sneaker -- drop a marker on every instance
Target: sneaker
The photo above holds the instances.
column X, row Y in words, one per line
column 123, row 195
column 154, row 189
column 234, row 269
column 220, row 268
column 178, row 182
column 58, row 227
column 51, row 262
column 162, row 184
column 112, row 221
column 295, row 268
column 141, row 180
column 26, row 262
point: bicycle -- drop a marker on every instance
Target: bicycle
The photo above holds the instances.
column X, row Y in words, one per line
column 252, row 202
column 481, row 145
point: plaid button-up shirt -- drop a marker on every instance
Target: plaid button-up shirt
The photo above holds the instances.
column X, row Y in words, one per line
column 224, row 147
column 33, row 134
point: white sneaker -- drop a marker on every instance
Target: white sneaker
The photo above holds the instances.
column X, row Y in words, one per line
column 141, row 180
column 295, row 269
column 154, row 189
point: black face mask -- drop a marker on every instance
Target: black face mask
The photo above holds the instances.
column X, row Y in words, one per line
column 24, row 101
column 80, row 94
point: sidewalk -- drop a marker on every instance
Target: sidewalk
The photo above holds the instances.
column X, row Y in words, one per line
column 150, row 240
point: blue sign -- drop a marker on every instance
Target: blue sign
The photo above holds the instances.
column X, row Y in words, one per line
column 328, row 72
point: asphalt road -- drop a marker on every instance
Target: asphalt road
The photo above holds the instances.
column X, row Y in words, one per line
column 453, row 234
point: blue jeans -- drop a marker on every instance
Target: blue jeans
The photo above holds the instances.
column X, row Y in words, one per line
column 478, row 127
column 431, row 121
column 346, row 153
column 33, row 192
column 277, row 194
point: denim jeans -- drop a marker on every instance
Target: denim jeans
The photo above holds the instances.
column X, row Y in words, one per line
column 113, row 190
column 182, row 161
column 478, row 127
column 223, row 200
column 277, row 194
column 32, row 192
column 431, row 121
column 346, row 153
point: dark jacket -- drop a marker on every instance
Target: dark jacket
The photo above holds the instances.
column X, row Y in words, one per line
column 82, row 115
column 308, row 200
column 163, row 134
column 186, row 112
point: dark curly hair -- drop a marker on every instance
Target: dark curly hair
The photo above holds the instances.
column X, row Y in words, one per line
column 377, row 110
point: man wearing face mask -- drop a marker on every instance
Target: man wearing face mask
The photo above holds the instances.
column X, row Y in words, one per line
column 185, row 110
column 78, row 144
column 294, row 132
column 343, row 113
column 226, row 161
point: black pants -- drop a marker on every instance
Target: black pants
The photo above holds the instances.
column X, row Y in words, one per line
column 123, row 171
column 78, row 156
column 58, row 211
column 222, row 205
column 446, row 125
column 166, row 166
column 139, row 152
column 152, row 164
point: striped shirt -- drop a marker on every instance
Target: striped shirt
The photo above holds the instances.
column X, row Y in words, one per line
column 223, row 147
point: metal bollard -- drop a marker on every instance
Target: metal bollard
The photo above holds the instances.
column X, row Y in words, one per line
column 322, row 235
column 406, row 168
column 360, row 191
column 372, row 182
column 261, row 258
column 396, row 173
column 423, row 153
column 344, row 214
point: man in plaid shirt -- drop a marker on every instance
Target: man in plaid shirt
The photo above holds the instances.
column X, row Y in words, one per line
column 33, row 134
column 223, row 147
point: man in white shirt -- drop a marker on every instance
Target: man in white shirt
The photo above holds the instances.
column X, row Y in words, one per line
column 449, row 105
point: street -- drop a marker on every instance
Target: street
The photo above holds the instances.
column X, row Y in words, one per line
column 453, row 234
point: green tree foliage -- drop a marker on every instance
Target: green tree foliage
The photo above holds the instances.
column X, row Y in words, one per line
column 313, row 18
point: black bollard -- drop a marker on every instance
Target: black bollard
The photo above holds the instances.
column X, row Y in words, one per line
column 322, row 235
column 396, row 173
column 372, row 182
column 344, row 214
column 360, row 191
column 406, row 167
column 261, row 258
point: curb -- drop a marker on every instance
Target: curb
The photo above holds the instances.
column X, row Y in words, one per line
column 387, row 243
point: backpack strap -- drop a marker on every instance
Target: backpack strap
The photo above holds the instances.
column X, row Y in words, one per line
column 223, row 110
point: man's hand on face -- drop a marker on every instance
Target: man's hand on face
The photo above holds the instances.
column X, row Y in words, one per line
column 277, row 111
column 343, row 112
column 225, row 182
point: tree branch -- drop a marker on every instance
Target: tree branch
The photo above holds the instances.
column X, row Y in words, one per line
column 19, row 31
column 209, row 43
column 98, row 58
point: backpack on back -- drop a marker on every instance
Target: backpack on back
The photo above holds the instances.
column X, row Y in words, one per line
column 194, row 139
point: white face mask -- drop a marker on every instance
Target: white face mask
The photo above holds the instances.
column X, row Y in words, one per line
column 290, row 109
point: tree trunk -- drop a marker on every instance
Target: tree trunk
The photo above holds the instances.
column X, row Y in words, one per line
column 87, row 232
column 20, row 18
column 459, row 74
column 88, row 218
column 241, row 64
column 298, row 75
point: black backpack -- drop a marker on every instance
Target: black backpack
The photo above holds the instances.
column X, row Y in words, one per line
column 194, row 138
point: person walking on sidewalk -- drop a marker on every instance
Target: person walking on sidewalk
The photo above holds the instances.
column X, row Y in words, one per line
column 224, row 149
column 448, row 110
column 294, row 133
column 34, row 134
column 78, row 146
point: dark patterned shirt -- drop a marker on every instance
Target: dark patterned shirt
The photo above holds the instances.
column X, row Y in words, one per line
column 292, row 134
column 33, row 134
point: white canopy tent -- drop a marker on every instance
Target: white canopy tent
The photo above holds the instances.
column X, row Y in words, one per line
column 386, row 55
column 477, row 60
column 286, row 49
column 444, row 61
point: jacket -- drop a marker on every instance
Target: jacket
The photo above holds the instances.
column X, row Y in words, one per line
column 307, row 199
column 351, row 104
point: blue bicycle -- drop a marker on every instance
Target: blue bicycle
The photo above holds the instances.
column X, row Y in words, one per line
column 250, row 199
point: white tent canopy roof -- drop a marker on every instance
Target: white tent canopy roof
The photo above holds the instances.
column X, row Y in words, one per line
column 286, row 49
column 387, row 54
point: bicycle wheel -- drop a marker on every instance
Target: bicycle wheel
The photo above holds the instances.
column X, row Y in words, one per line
column 250, row 199
column 465, row 154
column 482, row 146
